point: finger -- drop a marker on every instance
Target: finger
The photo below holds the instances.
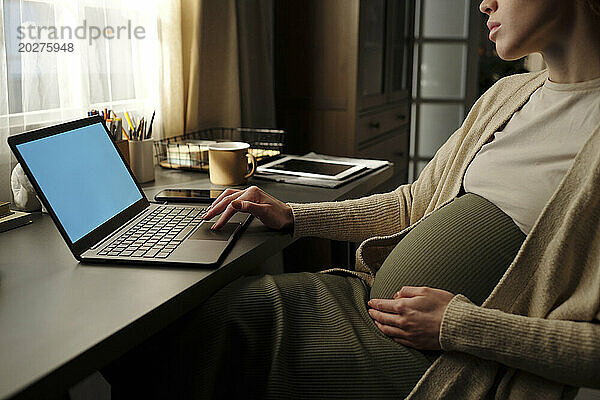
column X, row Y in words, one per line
column 391, row 331
column 226, row 216
column 387, row 318
column 225, row 193
column 411, row 291
column 256, row 209
column 404, row 342
column 251, row 193
column 230, row 210
column 222, row 205
column 397, row 306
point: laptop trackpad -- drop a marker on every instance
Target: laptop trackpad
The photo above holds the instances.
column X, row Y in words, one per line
column 205, row 233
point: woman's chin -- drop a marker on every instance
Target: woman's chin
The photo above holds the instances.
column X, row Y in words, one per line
column 508, row 54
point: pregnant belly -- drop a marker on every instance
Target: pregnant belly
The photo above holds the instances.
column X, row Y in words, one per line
column 464, row 247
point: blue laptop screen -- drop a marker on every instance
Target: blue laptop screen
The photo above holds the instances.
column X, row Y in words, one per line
column 82, row 176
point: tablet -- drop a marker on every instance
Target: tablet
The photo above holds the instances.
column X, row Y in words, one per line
column 311, row 168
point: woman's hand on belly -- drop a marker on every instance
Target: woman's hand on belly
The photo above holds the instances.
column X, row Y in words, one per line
column 413, row 317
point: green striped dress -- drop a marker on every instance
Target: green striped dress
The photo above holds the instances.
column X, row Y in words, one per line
column 309, row 336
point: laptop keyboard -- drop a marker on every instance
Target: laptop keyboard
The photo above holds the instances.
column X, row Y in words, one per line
column 157, row 235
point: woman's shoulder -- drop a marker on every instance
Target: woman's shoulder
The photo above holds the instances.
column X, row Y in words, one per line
column 505, row 88
column 511, row 83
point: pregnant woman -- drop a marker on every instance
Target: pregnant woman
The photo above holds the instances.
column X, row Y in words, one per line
column 480, row 279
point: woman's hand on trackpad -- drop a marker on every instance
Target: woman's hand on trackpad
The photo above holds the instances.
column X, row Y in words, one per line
column 273, row 213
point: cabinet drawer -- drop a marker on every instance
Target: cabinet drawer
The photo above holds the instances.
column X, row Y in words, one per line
column 370, row 126
column 392, row 147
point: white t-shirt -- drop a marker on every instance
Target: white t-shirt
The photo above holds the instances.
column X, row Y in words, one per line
column 523, row 165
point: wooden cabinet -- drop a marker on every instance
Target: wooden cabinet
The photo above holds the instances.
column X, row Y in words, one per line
column 383, row 44
column 343, row 77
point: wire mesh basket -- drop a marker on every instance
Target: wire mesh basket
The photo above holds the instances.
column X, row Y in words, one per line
column 190, row 151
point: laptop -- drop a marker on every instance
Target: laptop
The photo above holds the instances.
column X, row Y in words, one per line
column 100, row 209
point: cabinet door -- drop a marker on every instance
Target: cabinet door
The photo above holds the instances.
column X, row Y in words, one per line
column 372, row 41
column 399, row 54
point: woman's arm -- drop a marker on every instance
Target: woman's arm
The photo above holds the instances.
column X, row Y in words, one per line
column 354, row 220
column 562, row 351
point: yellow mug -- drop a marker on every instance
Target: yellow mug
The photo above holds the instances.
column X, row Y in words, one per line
column 228, row 163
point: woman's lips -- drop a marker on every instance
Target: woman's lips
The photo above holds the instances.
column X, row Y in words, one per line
column 494, row 26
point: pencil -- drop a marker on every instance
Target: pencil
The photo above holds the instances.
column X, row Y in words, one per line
column 149, row 133
column 124, row 133
column 128, row 120
column 136, row 132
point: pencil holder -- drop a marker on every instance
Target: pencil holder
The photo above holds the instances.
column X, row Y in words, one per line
column 141, row 159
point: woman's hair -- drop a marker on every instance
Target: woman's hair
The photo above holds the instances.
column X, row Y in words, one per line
column 593, row 6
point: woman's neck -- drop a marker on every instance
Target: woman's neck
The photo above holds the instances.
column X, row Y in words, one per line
column 576, row 56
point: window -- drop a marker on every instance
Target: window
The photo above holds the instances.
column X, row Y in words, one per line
column 442, row 87
column 61, row 58
column 64, row 57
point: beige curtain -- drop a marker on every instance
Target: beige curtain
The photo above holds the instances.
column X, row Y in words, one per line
column 171, row 69
column 211, row 82
column 218, row 67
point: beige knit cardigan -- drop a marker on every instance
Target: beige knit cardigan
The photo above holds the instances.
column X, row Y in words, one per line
column 538, row 333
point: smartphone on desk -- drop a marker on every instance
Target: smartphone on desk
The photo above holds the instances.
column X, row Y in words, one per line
column 187, row 195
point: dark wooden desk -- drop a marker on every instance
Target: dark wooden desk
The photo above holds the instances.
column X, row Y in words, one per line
column 61, row 320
